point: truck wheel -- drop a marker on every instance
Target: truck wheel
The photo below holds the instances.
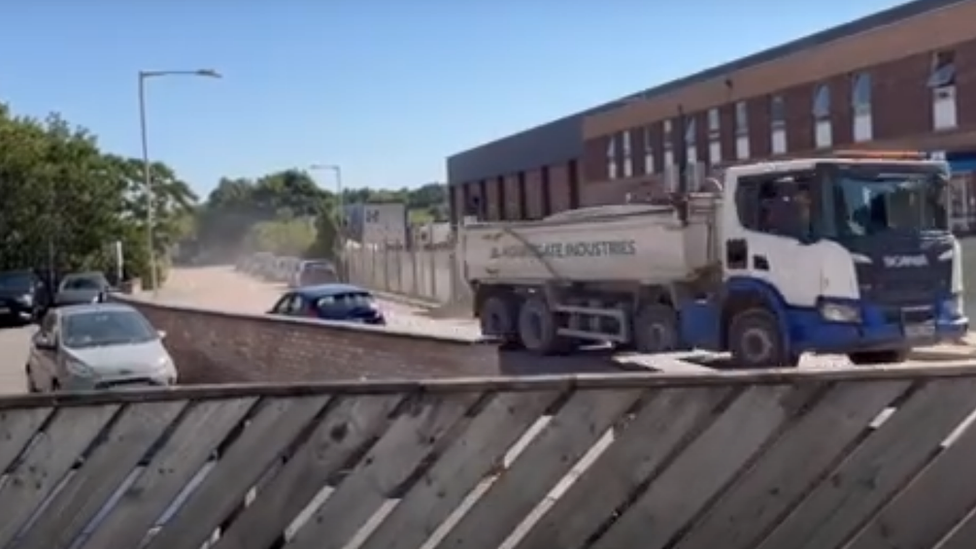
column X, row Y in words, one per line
column 656, row 329
column 756, row 342
column 498, row 318
column 866, row 358
column 537, row 328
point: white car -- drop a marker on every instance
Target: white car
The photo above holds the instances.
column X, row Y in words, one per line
column 97, row 346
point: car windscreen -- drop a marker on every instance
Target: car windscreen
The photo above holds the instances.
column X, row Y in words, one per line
column 16, row 280
column 101, row 328
column 84, row 282
column 344, row 301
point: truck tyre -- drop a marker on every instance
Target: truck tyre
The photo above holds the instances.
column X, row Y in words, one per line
column 537, row 328
column 867, row 358
column 756, row 342
column 656, row 329
column 498, row 317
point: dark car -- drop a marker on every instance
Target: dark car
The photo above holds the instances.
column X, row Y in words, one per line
column 23, row 296
column 341, row 302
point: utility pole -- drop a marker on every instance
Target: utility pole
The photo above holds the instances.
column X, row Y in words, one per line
column 146, row 165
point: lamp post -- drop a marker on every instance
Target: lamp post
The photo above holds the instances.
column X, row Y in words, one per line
column 341, row 214
column 146, row 172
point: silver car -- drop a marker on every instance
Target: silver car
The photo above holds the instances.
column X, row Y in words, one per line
column 78, row 288
column 97, row 346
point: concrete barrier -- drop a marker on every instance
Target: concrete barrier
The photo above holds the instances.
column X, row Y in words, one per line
column 218, row 347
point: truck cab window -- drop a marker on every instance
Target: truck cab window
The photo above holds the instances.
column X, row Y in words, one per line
column 867, row 204
column 777, row 206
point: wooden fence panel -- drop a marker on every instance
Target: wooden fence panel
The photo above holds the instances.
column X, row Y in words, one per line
column 806, row 460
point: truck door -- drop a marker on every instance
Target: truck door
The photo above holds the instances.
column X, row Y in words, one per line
column 775, row 224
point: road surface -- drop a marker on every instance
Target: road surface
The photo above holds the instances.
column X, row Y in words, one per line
column 223, row 289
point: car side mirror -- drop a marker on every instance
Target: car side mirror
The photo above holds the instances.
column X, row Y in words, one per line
column 161, row 333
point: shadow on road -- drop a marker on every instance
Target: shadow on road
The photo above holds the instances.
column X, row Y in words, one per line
column 7, row 323
column 587, row 361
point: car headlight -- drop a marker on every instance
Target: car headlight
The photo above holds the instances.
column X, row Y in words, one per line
column 27, row 299
column 954, row 306
column 77, row 368
column 840, row 312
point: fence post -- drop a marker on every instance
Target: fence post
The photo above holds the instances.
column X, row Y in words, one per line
column 399, row 270
column 374, row 278
column 415, row 290
column 432, row 268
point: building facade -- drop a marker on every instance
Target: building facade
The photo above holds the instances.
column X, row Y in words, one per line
column 900, row 79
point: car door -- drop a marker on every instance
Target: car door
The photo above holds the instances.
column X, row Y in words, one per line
column 44, row 358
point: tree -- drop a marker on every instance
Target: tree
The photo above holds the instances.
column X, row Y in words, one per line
column 227, row 221
column 64, row 202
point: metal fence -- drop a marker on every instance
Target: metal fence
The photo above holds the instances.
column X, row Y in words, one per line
column 424, row 273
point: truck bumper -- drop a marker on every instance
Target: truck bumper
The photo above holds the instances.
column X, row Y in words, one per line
column 810, row 333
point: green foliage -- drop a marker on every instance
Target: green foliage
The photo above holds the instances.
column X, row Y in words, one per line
column 241, row 215
column 64, row 201
column 290, row 237
column 225, row 221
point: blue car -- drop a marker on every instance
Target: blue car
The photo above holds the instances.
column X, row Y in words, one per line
column 339, row 302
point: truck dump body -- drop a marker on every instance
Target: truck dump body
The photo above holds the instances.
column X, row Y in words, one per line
column 632, row 243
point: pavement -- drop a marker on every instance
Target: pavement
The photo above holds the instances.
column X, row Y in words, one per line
column 222, row 288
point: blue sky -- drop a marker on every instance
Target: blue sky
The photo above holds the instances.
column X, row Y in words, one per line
column 385, row 89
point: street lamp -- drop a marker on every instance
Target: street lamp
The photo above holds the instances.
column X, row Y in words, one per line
column 147, row 177
column 341, row 214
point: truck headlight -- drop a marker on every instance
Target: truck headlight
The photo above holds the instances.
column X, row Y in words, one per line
column 840, row 312
column 954, row 306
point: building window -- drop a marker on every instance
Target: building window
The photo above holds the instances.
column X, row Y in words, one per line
column 777, row 124
column 628, row 159
column 612, row 157
column 861, row 102
column 823, row 133
column 714, row 136
column 741, row 131
column 649, row 167
column 691, row 137
column 668, row 144
column 942, row 82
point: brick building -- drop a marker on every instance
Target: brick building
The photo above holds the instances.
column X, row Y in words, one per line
column 904, row 78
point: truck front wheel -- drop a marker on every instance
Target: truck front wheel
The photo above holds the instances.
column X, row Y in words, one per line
column 755, row 341
column 537, row 328
column 498, row 316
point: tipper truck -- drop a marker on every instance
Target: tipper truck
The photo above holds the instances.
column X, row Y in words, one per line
column 848, row 254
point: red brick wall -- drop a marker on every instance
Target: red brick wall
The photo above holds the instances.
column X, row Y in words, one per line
column 534, row 194
column 559, row 187
column 216, row 347
column 512, row 210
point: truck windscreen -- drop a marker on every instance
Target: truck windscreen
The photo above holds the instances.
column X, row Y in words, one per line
column 867, row 202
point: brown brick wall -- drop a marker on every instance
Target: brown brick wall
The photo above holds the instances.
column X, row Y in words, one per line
column 216, row 347
column 946, row 28
column 559, row 187
column 493, row 199
column 534, row 194
column 512, row 210
column 901, row 110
